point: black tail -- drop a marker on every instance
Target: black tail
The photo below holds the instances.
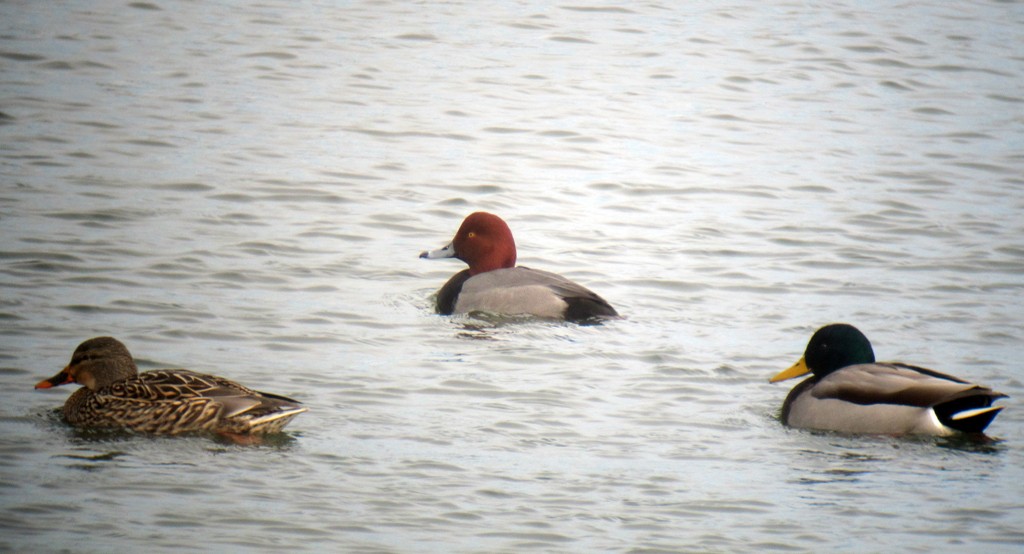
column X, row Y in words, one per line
column 969, row 414
column 588, row 309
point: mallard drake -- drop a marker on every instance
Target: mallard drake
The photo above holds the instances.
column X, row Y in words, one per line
column 850, row 392
column 164, row 401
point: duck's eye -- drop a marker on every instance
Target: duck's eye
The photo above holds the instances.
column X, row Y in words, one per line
column 471, row 234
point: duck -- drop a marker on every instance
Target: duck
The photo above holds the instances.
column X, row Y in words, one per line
column 114, row 395
column 850, row 392
column 493, row 283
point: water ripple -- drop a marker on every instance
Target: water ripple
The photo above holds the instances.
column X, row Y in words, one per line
column 245, row 191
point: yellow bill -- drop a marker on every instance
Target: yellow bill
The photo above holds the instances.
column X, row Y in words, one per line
column 798, row 369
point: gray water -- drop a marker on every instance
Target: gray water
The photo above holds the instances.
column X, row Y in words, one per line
column 243, row 189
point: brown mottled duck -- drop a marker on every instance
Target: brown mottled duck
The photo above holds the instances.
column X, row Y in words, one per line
column 164, row 401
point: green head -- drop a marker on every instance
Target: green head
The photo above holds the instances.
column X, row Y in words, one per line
column 836, row 346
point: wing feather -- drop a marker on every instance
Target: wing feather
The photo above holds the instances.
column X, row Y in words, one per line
column 900, row 384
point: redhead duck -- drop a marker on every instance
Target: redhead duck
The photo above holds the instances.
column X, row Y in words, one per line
column 164, row 401
column 493, row 283
column 850, row 392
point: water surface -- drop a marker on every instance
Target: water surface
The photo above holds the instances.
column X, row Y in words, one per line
column 244, row 189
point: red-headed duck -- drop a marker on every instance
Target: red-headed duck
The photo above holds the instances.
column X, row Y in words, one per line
column 493, row 283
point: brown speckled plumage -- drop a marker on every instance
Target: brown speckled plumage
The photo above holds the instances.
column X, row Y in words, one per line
column 165, row 401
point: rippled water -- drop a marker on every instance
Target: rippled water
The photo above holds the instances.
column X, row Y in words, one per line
column 244, row 189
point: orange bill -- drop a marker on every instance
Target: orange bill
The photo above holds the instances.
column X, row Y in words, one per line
column 61, row 378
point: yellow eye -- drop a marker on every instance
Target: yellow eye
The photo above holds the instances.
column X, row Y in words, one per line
column 471, row 234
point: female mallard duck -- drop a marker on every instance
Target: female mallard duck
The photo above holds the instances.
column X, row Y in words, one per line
column 849, row 392
column 164, row 401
